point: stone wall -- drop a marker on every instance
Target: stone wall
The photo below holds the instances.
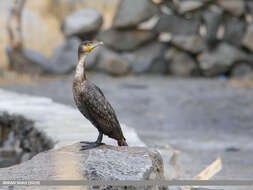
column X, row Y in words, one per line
column 205, row 38
column 180, row 37
column 183, row 38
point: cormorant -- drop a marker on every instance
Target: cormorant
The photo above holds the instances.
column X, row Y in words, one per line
column 92, row 103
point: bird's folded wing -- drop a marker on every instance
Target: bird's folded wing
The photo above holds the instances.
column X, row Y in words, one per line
column 100, row 110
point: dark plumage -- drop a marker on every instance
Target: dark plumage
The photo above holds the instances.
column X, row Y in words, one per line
column 92, row 103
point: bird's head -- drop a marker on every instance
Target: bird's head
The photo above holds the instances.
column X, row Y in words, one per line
column 87, row 46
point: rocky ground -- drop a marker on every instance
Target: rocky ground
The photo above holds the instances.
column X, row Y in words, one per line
column 204, row 119
column 103, row 163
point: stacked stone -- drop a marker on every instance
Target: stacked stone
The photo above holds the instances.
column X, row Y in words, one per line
column 179, row 37
column 129, row 47
column 182, row 38
column 208, row 38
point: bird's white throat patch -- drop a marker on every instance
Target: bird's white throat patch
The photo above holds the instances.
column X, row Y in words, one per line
column 80, row 67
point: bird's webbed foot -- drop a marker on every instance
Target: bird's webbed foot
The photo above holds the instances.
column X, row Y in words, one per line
column 90, row 145
column 87, row 142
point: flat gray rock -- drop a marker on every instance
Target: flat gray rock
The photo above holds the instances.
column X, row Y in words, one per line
column 126, row 40
column 235, row 7
column 82, row 22
column 248, row 38
column 180, row 63
column 242, row 71
column 112, row 62
column 131, row 13
column 189, row 5
column 212, row 19
column 219, row 60
column 147, row 59
column 234, row 30
column 177, row 25
column 249, row 5
column 102, row 163
column 191, row 43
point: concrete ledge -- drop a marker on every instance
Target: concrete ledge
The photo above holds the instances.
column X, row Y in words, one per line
column 63, row 124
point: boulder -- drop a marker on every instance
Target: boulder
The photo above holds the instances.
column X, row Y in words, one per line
column 249, row 5
column 148, row 59
column 220, row 60
column 20, row 140
column 212, row 19
column 189, row 5
column 82, row 23
column 180, row 63
column 248, row 38
column 242, row 71
column 126, row 40
column 192, row 43
column 131, row 13
column 149, row 24
column 235, row 7
column 64, row 58
column 102, row 163
column 177, row 25
column 28, row 61
column 112, row 62
column 234, row 30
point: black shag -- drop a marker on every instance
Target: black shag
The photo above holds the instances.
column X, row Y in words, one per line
column 92, row 103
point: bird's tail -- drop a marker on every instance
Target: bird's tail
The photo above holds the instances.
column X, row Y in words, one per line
column 122, row 142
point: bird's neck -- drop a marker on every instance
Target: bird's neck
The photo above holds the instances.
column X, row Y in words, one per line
column 80, row 68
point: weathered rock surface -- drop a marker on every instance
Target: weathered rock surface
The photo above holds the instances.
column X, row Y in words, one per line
column 126, row 40
column 64, row 58
column 112, row 62
column 180, row 63
column 102, row 163
column 248, row 38
column 234, row 30
column 19, row 140
column 242, row 70
column 83, row 23
column 219, row 60
column 131, row 13
column 192, row 43
column 212, row 19
column 148, row 59
column 177, row 25
column 149, row 24
column 28, row 61
column 235, row 7
column 249, row 6
column 189, row 5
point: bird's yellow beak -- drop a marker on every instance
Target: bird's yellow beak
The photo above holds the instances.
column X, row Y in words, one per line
column 89, row 48
column 95, row 45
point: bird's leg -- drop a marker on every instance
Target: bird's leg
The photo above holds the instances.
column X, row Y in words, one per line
column 97, row 143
